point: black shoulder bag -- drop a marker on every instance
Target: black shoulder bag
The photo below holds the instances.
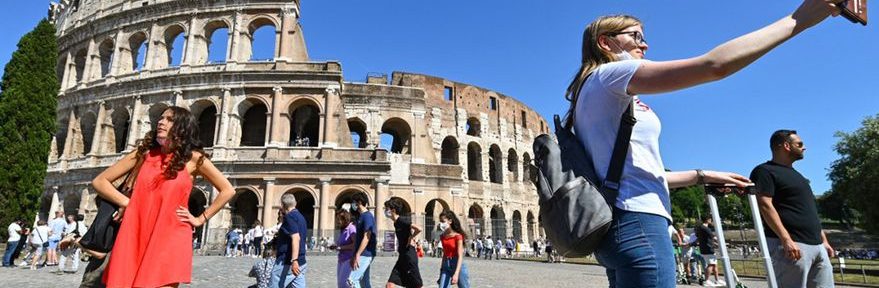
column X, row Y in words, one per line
column 101, row 234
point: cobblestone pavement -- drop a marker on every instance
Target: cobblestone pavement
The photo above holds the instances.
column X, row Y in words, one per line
column 216, row 271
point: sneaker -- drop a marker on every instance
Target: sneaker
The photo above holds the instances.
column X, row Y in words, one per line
column 721, row 283
column 709, row 283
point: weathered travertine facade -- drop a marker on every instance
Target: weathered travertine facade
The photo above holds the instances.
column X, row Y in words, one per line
column 285, row 124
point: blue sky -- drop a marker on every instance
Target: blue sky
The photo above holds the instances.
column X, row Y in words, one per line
column 817, row 83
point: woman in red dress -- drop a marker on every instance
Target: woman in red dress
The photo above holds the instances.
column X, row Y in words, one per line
column 154, row 244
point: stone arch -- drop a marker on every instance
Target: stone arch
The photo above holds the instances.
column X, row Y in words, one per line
column 87, row 127
column 174, row 46
column 258, row 34
column 476, row 220
column 253, row 118
column 155, row 113
column 517, row 226
column 216, row 41
column 61, row 135
column 498, row 222
column 474, row 161
column 473, row 127
column 345, row 197
column 531, row 224
column 138, row 48
column 495, row 164
column 198, row 202
column 304, row 123
column 513, row 163
column 526, row 167
column 359, row 137
column 60, row 68
column 449, row 154
column 305, row 203
column 244, row 208
column 121, row 125
column 106, row 53
column 205, row 112
column 398, row 132
column 79, row 61
column 432, row 210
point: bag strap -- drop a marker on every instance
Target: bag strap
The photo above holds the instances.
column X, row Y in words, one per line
column 620, row 148
column 131, row 178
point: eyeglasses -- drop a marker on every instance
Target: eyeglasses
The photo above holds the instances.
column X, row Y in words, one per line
column 636, row 35
column 798, row 144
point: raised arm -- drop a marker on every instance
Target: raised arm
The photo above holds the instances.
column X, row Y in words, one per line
column 103, row 183
column 729, row 57
column 216, row 178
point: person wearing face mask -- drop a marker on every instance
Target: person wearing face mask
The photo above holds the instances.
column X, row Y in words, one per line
column 345, row 245
column 405, row 272
column 154, row 245
column 453, row 270
column 365, row 243
column 612, row 75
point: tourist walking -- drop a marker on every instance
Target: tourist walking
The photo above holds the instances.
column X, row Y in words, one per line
column 14, row 231
column 290, row 266
column 345, row 246
column 706, row 238
column 612, row 75
column 405, row 272
column 154, row 244
column 232, row 238
column 797, row 243
column 68, row 251
column 39, row 240
column 258, row 235
column 453, row 270
column 489, row 247
column 57, row 225
column 365, row 244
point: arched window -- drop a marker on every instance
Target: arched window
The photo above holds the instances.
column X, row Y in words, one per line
column 476, row 220
column 396, row 136
column 517, row 226
column 253, row 124
column 449, row 154
column 121, row 125
column 526, row 167
column 106, row 51
column 217, row 45
column 531, row 224
column 262, row 41
column 138, row 46
column 87, row 125
column 358, row 132
column 244, row 208
column 206, row 113
column 304, row 125
column 473, row 127
column 431, row 216
column 495, row 165
column 175, row 45
column 61, row 135
column 79, row 62
column 474, row 162
column 498, row 223
column 513, row 163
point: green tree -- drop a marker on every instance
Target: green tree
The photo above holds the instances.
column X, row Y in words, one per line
column 28, row 94
column 856, row 173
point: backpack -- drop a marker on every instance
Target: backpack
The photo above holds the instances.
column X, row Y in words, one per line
column 577, row 213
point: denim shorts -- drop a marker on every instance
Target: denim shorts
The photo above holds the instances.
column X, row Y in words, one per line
column 637, row 251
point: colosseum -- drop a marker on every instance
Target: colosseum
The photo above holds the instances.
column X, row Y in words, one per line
column 282, row 123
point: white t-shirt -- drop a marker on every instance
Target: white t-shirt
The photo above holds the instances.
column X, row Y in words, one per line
column 58, row 225
column 603, row 99
column 257, row 231
column 72, row 226
column 13, row 230
column 40, row 235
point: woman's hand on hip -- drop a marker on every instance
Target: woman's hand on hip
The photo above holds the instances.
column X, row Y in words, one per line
column 186, row 217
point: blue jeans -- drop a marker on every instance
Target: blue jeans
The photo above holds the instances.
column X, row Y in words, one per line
column 360, row 277
column 231, row 247
column 283, row 277
column 637, row 251
column 447, row 270
column 10, row 248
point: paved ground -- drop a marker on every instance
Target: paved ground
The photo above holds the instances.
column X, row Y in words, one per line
column 215, row 271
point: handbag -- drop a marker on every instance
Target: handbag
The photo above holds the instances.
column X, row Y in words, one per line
column 45, row 243
column 101, row 234
column 577, row 213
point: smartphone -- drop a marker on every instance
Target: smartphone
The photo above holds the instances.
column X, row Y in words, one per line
column 723, row 189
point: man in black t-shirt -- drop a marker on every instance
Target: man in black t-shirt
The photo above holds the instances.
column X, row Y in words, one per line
column 405, row 272
column 798, row 247
column 706, row 249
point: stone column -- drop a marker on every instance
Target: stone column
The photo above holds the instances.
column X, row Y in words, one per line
column 190, row 49
column 288, row 26
column 235, row 50
column 96, row 148
column 226, row 100
column 381, row 193
column 274, row 127
column 329, row 121
column 135, row 122
column 65, row 77
column 92, row 57
column 415, row 141
column 268, row 202
column 154, row 41
column 178, row 97
column 68, row 143
column 117, row 52
column 324, row 204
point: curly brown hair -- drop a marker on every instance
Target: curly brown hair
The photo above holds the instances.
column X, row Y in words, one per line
column 182, row 142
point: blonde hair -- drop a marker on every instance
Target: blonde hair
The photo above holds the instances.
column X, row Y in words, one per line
column 592, row 55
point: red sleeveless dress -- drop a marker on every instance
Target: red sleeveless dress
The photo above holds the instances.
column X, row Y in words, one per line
column 153, row 247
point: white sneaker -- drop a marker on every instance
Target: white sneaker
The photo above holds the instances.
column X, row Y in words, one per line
column 709, row 283
column 721, row 283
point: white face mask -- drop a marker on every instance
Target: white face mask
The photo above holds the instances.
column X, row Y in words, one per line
column 388, row 213
column 443, row 226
